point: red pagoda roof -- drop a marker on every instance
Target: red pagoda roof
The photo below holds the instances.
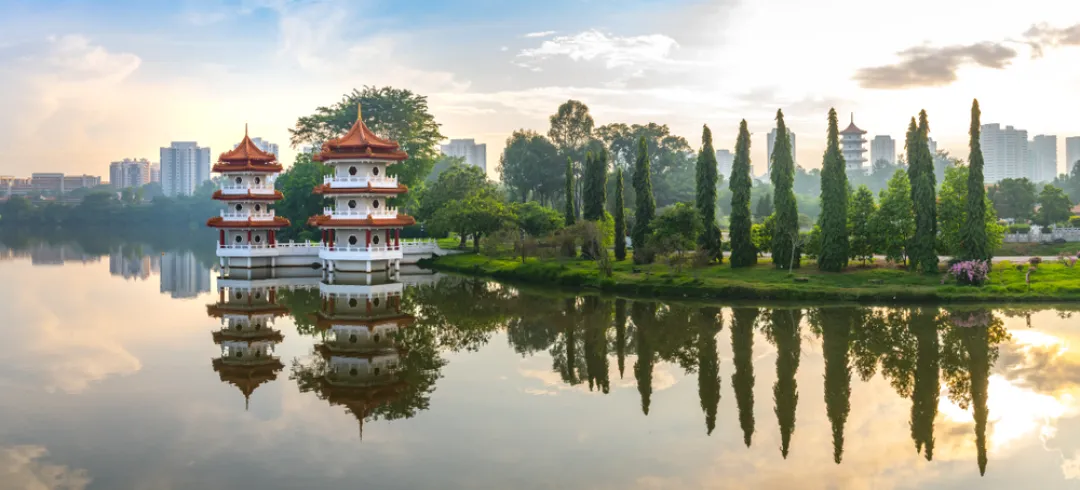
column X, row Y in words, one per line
column 852, row 128
column 393, row 191
column 246, row 154
column 248, row 377
column 324, row 322
column 324, row 221
column 219, row 222
column 221, row 196
column 247, row 336
column 219, row 310
column 360, row 142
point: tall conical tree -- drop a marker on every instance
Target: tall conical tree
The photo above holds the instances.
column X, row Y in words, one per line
column 834, row 203
column 620, row 218
column 595, row 190
column 924, row 396
column 569, row 216
column 786, row 231
column 742, row 380
column 742, row 245
column 836, row 339
column 644, row 315
column 645, row 202
column 620, row 332
column 597, row 320
column 784, row 333
column 923, row 196
column 706, row 176
column 975, row 242
column 976, row 341
column 709, row 364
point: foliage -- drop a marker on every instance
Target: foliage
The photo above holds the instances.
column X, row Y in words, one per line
column 671, row 169
column 455, row 185
column 397, row 114
column 923, row 250
column 953, row 217
column 595, row 186
column 1054, row 206
column 975, row 239
column 834, row 202
column 864, row 242
column 764, row 207
column 569, row 211
column 536, row 220
column 762, row 235
column 620, row 218
column 675, row 230
column 300, row 203
column 786, row 230
column 645, row 203
column 705, row 201
column 743, row 253
column 894, row 223
column 530, row 167
column 970, row 272
column 1014, row 198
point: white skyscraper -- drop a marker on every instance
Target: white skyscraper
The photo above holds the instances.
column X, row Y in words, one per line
column 1042, row 166
column 184, row 166
column 155, row 172
column 883, row 147
column 182, row 276
column 1005, row 152
column 724, row 161
column 130, row 172
column 1072, row 153
column 266, row 146
column 772, row 143
column 474, row 154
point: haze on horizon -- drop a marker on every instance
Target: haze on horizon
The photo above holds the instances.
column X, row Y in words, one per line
column 84, row 83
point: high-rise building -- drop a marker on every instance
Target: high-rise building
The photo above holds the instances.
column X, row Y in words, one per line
column 182, row 276
column 131, row 264
column 883, row 147
column 155, row 172
column 932, row 145
column 724, row 161
column 1042, row 155
column 1005, row 152
column 266, row 146
column 853, row 146
column 129, row 172
column 1072, row 153
column 72, row 182
column 474, row 154
column 48, row 182
column 184, row 166
column 772, row 143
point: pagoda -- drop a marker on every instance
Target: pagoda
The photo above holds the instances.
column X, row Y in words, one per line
column 853, row 146
column 360, row 231
column 247, row 226
column 360, row 358
column 246, row 337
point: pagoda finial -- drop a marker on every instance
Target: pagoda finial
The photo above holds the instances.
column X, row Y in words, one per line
column 245, row 130
column 359, row 111
column 852, row 118
column 247, row 401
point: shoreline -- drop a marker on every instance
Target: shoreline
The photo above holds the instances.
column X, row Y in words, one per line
column 874, row 285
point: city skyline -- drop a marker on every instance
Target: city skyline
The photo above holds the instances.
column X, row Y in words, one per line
column 89, row 71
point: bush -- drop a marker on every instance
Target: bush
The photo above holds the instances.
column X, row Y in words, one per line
column 1019, row 229
column 1074, row 222
column 969, row 273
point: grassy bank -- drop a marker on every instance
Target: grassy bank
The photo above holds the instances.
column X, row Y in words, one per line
column 1036, row 249
column 1052, row 282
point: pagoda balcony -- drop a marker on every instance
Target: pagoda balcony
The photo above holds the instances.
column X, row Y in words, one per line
column 245, row 215
column 373, row 213
column 229, row 188
column 279, row 249
column 353, row 181
column 360, row 253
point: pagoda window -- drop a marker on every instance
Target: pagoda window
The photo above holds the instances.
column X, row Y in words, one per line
column 352, row 170
column 376, row 338
column 375, row 301
column 352, row 203
column 239, row 180
column 352, row 339
column 375, row 171
column 352, row 240
column 239, row 239
column 352, row 303
column 258, row 207
column 238, row 294
column 258, row 327
column 238, row 327
column 375, row 239
column 377, row 371
column 258, row 180
column 353, row 372
column 258, row 239
column 239, row 207
column 375, row 204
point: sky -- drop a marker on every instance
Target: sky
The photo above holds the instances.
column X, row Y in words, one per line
column 84, row 83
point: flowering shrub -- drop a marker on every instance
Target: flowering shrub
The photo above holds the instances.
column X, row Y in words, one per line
column 1035, row 261
column 1067, row 260
column 969, row 272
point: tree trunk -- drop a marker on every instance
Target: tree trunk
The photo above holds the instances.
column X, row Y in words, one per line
column 476, row 242
column 462, row 244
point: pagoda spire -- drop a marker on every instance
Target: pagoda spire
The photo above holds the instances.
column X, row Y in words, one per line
column 359, row 111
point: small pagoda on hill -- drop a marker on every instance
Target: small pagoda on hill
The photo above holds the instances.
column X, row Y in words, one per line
column 247, row 337
column 247, row 226
column 360, row 231
column 853, row 146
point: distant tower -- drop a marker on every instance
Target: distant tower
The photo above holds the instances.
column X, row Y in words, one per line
column 853, row 146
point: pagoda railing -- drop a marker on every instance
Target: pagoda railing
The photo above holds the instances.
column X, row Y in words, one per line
column 347, row 181
column 233, row 188
column 245, row 215
column 375, row 213
column 361, row 248
column 263, row 246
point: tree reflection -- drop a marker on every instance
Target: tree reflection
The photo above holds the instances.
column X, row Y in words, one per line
column 834, row 326
column 742, row 381
column 620, row 333
column 710, row 323
column 644, row 316
column 924, row 397
column 597, row 319
column 782, row 329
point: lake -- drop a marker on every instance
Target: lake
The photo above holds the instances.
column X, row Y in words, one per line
column 129, row 366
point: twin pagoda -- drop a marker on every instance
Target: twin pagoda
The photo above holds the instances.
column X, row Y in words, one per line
column 360, row 231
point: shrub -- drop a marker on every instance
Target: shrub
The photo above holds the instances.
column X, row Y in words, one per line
column 969, row 272
column 1074, row 222
column 1019, row 229
column 1035, row 261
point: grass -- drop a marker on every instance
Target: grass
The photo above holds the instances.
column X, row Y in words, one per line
column 1036, row 249
column 873, row 284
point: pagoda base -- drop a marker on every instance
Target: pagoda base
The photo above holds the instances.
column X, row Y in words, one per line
column 339, row 265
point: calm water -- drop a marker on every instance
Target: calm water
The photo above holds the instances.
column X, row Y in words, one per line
column 119, row 371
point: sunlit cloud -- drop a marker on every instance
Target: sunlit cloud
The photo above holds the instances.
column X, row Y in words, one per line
column 539, row 34
column 28, row 467
column 613, row 51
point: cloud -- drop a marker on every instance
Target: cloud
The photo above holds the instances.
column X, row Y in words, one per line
column 21, row 467
column 1041, row 36
column 540, row 34
column 925, row 66
column 613, row 51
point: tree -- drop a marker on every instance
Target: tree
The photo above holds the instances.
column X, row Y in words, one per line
column 894, row 223
column 1054, row 206
column 569, row 214
column 786, row 232
column 742, row 245
column 976, row 245
column 529, row 166
column 571, row 131
column 1014, row 198
column 645, row 204
column 594, row 196
column 953, row 215
column 923, row 248
column 834, row 203
column 536, row 220
column 764, row 207
column 671, row 167
column 863, row 239
column 454, row 185
column 479, row 214
column 676, row 230
column 620, row 218
column 706, row 197
column 397, row 114
column 300, row 203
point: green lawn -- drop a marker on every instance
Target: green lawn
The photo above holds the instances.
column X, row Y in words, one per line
column 1052, row 282
column 1036, row 249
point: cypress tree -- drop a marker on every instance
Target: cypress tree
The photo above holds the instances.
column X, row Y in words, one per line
column 706, row 176
column 595, row 186
column 569, row 216
column 834, row 203
column 784, row 253
column 742, row 246
column 975, row 243
column 924, row 245
column 620, row 218
column 742, row 380
column 645, row 210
